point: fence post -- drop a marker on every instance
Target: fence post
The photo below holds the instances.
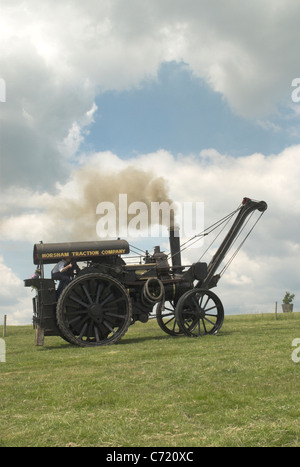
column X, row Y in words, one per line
column 275, row 310
column 39, row 335
column 4, row 326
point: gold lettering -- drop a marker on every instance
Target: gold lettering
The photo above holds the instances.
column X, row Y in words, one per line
column 55, row 255
column 113, row 252
column 85, row 253
column 78, row 253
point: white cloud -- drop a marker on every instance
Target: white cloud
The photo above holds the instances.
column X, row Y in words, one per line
column 77, row 133
column 56, row 57
column 219, row 180
column 15, row 301
column 9, row 281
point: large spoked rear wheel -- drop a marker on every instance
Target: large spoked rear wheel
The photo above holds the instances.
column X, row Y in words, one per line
column 199, row 312
column 93, row 310
column 165, row 315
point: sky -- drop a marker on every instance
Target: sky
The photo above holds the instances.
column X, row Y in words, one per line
column 194, row 101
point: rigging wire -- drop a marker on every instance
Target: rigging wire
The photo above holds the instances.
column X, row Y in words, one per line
column 227, row 219
column 221, row 222
column 191, row 241
column 137, row 248
column 240, row 246
column 205, row 232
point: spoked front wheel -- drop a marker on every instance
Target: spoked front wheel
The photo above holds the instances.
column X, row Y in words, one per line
column 199, row 312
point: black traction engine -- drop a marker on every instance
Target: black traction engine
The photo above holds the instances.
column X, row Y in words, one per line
column 107, row 294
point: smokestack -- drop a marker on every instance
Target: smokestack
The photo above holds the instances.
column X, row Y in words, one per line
column 175, row 247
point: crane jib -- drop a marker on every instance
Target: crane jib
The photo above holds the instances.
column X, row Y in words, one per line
column 248, row 206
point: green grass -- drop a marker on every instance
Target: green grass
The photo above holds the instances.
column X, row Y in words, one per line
column 239, row 388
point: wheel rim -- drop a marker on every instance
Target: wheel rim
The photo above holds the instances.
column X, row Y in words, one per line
column 165, row 315
column 199, row 312
column 94, row 310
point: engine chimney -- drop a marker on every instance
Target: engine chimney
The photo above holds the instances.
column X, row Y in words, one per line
column 175, row 247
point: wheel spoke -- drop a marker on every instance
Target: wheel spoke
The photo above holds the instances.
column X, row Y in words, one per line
column 116, row 315
column 166, row 315
column 83, row 321
column 209, row 321
column 71, row 297
column 99, row 292
column 186, row 321
column 203, row 322
column 196, row 303
column 109, row 327
column 107, row 299
column 199, row 331
column 83, row 330
column 208, row 298
column 79, row 311
column 211, row 308
column 96, row 334
column 169, row 320
column 87, row 294
column 169, row 309
column 72, row 321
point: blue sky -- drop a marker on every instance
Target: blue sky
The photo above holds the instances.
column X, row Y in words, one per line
column 198, row 93
column 180, row 113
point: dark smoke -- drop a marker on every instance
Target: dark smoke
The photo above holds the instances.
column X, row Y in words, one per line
column 77, row 218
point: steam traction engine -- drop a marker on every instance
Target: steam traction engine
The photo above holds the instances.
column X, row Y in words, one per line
column 108, row 295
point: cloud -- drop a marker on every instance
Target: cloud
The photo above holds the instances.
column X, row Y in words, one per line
column 251, row 70
column 9, row 281
column 14, row 302
column 71, row 213
column 218, row 180
column 56, row 58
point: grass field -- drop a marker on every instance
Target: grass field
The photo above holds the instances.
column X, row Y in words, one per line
column 239, row 388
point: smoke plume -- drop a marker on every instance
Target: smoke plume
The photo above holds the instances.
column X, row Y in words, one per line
column 76, row 215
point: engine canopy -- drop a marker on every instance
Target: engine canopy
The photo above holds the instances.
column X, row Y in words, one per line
column 47, row 253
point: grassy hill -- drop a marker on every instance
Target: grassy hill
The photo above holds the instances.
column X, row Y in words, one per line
column 239, row 388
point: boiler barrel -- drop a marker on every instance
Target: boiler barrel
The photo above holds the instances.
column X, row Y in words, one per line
column 47, row 253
